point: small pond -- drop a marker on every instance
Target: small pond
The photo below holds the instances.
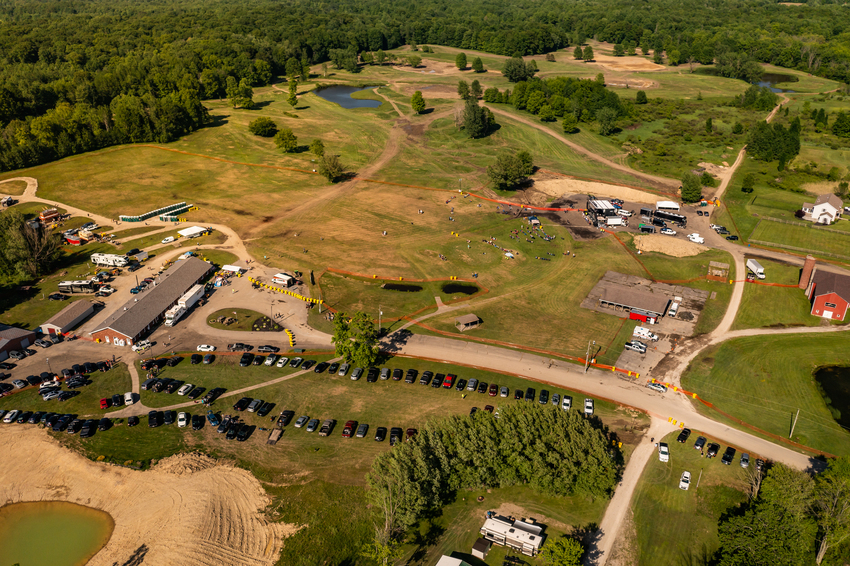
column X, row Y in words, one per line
column 401, row 287
column 834, row 383
column 770, row 80
column 52, row 533
column 342, row 95
column 452, row 288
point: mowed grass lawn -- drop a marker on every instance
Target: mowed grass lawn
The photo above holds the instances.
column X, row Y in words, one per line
column 319, row 482
column 763, row 305
column 675, row 526
column 763, row 380
column 103, row 384
column 810, row 239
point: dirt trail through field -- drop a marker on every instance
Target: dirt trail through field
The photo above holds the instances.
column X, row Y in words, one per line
column 653, row 180
column 188, row 509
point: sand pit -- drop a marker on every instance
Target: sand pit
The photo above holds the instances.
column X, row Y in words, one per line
column 668, row 245
column 561, row 187
column 187, row 510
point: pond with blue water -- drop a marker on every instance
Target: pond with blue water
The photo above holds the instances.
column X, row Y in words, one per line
column 52, row 533
column 342, row 95
column 770, row 80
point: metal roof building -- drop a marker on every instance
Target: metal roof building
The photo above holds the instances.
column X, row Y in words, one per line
column 139, row 316
column 68, row 318
column 634, row 299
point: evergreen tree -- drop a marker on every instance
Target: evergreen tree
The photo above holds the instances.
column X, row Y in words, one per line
column 476, row 120
column 607, row 118
column 463, row 90
column 578, row 53
column 619, row 51
column 475, row 89
column 515, row 70
column 841, row 126
column 588, row 53
column 738, row 128
column 417, row 102
column 709, row 127
column 640, row 97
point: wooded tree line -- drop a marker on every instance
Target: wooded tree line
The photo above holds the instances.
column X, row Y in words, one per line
column 25, row 251
column 556, row 453
column 790, row 520
column 77, row 58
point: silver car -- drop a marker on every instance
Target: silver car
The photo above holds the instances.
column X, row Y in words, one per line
column 313, row 425
column 301, row 421
column 343, row 369
column 355, row 375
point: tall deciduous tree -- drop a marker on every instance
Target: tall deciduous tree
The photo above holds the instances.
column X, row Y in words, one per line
column 417, row 102
column 831, row 506
column 292, row 99
column 414, row 60
column 263, row 126
column 286, row 141
column 475, row 89
column 331, row 168
column 640, row 97
column 607, row 118
column 478, row 65
column 460, row 61
column 691, row 187
column 510, row 170
column 463, row 89
column 578, row 53
column 564, row 551
column 570, row 123
column 26, row 252
column 588, row 53
column 515, row 70
column 356, row 339
column 241, row 94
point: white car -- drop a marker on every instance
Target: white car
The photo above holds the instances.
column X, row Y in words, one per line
column 696, row 238
column 128, row 398
column 270, row 360
column 714, row 226
column 168, row 240
column 503, row 392
column 343, row 369
column 20, row 383
column 567, row 403
column 588, row 407
column 281, row 363
column 13, row 416
column 185, row 389
column 51, row 395
column 182, row 419
column 668, row 232
column 142, row 346
column 107, row 290
column 685, row 482
column 663, row 452
column 206, row 348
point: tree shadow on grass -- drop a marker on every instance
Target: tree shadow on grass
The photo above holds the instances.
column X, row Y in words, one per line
column 261, row 104
column 424, row 541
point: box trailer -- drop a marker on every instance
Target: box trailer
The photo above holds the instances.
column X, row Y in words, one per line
column 283, row 279
column 614, row 221
column 110, row 260
column 183, row 305
column 645, row 333
column 756, row 268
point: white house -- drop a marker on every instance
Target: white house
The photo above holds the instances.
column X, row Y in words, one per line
column 825, row 210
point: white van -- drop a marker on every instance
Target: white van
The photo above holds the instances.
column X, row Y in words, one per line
column 642, row 332
column 128, row 398
column 622, row 212
column 168, row 240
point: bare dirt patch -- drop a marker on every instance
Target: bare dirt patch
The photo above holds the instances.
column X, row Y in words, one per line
column 668, row 245
column 431, row 91
column 432, row 67
column 560, row 187
column 632, row 64
column 189, row 509
column 517, row 512
column 819, row 188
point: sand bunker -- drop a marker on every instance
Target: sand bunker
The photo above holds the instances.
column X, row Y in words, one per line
column 189, row 510
column 560, row 187
column 668, row 245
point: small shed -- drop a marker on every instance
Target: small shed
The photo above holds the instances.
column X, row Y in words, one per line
column 481, row 548
column 467, row 322
column 68, row 318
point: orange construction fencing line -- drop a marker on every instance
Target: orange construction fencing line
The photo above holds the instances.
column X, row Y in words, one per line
column 616, row 237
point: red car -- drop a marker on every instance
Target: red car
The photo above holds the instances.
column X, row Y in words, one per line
column 411, row 432
column 494, row 390
column 104, row 403
column 348, row 429
column 449, row 381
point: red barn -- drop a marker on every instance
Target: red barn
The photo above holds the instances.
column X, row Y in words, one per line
column 829, row 294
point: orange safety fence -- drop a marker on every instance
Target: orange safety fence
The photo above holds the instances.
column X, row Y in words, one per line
column 742, row 423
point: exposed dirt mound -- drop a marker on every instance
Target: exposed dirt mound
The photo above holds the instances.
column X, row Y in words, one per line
column 557, row 188
column 632, row 63
column 668, row 245
column 189, row 509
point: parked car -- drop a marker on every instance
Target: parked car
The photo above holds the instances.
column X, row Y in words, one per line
column 321, row 367
column 307, row 364
column 544, row 397
column 395, row 435
column 348, row 429
column 244, row 433
column 398, row 373
column 567, row 403
column 333, row 367
column 129, row 398
column 410, row 433
column 745, row 460
column 683, row 436
column 372, row 375
column 343, row 369
column 362, row 430
column 265, row 409
column 268, row 349
column 302, row 420
column 668, row 232
column 182, row 419
column 312, row 425
column 685, row 481
column 282, row 362
column 494, row 390
column 206, row 348
column 437, row 382
column 700, row 443
column 355, row 375
column 242, row 404
column 295, row 362
column 518, row 395
column 657, row 387
column 588, row 407
column 185, row 389
column 173, row 361
column 461, row 384
column 196, row 392
column 556, row 399
column 246, row 359
column 426, row 377
column 663, row 452
column 380, row 434
column 258, row 360
column 732, row 238
column 530, row 394
column 636, row 346
column 209, row 358
column 104, row 424
column 197, row 422
column 472, row 385
column 167, row 417
column 411, row 375
column 504, row 391
column 195, row 359
column 213, row 418
column 728, row 456
column 482, row 387
column 270, row 361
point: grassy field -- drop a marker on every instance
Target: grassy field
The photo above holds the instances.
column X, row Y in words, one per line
column 674, row 526
column 763, row 306
column 812, row 239
column 763, row 380
column 130, row 232
column 106, row 384
column 13, row 188
column 245, row 319
column 319, row 481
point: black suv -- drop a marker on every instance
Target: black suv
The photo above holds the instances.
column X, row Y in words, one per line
column 174, row 361
column 683, row 436
column 426, row 377
column 398, row 374
column 530, row 394
column 246, row 359
column 395, row 435
column 544, row 397
column 728, row 456
column 242, row 404
column 411, row 376
column 372, row 375
column 153, row 419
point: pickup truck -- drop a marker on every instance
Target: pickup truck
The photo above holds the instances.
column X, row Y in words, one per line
column 238, row 347
column 327, row 427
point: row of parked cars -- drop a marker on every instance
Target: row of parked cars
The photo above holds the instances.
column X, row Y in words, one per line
column 711, row 450
column 351, row 428
column 57, row 422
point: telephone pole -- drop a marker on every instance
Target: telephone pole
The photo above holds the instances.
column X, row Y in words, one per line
column 587, row 355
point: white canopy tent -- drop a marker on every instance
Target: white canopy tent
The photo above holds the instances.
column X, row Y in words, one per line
column 192, row 232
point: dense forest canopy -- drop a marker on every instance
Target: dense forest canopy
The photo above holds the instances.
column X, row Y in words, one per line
column 69, row 61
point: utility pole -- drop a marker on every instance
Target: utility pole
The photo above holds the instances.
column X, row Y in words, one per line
column 380, row 312
column 587, row 355
column 795, row 424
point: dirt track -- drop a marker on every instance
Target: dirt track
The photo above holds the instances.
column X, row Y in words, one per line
column 189, row 510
